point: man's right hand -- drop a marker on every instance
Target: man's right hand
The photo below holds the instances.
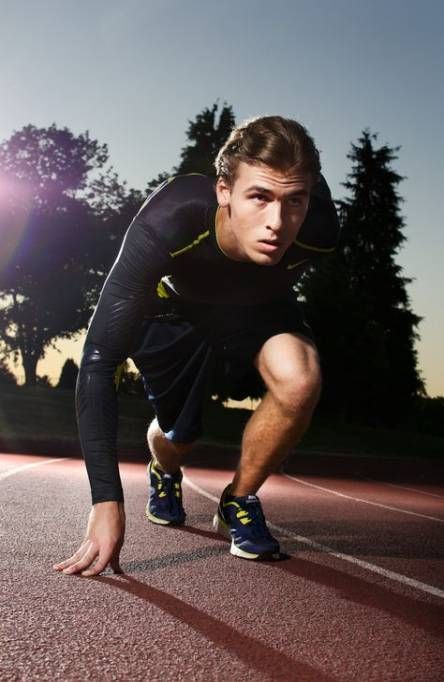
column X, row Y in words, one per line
column 102, row 544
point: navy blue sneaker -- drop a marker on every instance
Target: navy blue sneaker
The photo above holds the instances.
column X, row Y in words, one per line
column 242, row 520
column 165, row 501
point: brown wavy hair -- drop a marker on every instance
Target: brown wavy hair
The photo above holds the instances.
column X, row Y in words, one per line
column 281, row 143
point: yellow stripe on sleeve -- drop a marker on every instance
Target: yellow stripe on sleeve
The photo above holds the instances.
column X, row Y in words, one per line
column 194, row 243
column 314, row 248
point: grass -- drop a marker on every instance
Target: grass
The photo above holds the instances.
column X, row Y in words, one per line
column 42, row 420
column 327, row 435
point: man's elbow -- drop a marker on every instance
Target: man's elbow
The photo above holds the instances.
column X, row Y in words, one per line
column 100, row 360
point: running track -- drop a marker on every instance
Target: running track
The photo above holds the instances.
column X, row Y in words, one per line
column 360, row 597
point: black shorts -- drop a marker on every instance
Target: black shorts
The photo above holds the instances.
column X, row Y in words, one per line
column 201, row 350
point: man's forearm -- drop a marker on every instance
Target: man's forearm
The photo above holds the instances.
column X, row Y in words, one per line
column 97, row 417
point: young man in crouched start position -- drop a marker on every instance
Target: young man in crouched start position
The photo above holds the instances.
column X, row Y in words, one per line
column 201, row 298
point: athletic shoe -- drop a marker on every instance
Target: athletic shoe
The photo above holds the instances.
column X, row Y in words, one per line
column 242, row 520
column 165, row 501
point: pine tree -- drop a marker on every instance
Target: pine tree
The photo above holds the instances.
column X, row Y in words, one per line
column 206, row 135
column 372, row 236
column 360, row 295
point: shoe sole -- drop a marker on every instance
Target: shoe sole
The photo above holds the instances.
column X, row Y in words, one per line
column 221, row 527
column 161, row 522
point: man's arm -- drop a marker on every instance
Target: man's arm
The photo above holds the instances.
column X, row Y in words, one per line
column 113, row 332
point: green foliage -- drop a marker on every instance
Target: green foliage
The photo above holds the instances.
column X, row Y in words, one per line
column 63, row 215
column 130, row 383
column 68, row 375
column 52, row 233
column 357, row 300
column 206, row 135
column 43, row 381
column 430, row 415
column 51, row 163
column 7, row 378
column 155, row 182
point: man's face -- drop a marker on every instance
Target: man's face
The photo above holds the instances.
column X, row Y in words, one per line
column 265, row 209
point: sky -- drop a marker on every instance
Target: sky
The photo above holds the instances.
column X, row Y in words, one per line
column 134, row 73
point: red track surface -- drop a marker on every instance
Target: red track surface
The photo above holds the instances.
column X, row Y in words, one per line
column 360, row 598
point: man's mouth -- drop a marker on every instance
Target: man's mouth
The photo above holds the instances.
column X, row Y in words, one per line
column 269, row 245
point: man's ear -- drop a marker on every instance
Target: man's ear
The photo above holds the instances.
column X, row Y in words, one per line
column 223, row 192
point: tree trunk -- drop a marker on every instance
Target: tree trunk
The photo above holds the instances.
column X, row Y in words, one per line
column 30, row 367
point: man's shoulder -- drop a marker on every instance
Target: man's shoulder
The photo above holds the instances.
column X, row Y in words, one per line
column 186, row 190
column 197, row 182
column 178, row 209
column 320, row 230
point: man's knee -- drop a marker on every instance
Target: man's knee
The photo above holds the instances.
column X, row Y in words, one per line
column 298, row 391
column 155, row 435
column 291, row 371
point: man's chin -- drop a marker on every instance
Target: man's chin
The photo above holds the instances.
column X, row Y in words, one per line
column 267, row 258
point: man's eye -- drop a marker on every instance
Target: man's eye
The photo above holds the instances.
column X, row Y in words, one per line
column 296, row 201
column 260, row 197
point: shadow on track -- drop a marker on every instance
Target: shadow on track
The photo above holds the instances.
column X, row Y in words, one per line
column 429, row 617
column 255, row 654
column 159, row 563
column 414, row 612
column 352, row 537
column 170, row 560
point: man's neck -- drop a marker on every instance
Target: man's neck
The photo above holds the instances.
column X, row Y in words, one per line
column 224, row 237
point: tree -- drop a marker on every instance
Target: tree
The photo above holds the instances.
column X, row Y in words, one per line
column 68, row 375
column 62, row 219
column 106, row 238
column 128, row 382
column 333, row 314
column 430, row 415
column 373, row 235
column 206, row 135
column 49, row 228
column 358, row 299
column 7, row 378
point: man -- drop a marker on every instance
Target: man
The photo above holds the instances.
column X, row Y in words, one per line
column 201, row 297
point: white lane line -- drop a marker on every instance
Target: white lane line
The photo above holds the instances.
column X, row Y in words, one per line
column 198, row 489
column 359, row 499
column 24, row 467
column 392, row 575
column 403, row 487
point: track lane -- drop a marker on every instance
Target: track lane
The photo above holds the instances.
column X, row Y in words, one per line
column 87, row 616
column 285, row 533
column 347, row 527
column 409, row 488
column 400, row 542
column 374, row 495
column 12, row 471
column 10, row 462
column 190, row 603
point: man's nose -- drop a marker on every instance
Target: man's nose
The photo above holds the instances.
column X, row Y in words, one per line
column 274, row 217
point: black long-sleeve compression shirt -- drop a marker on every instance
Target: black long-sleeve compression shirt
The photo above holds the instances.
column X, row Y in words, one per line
column 170, row 252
